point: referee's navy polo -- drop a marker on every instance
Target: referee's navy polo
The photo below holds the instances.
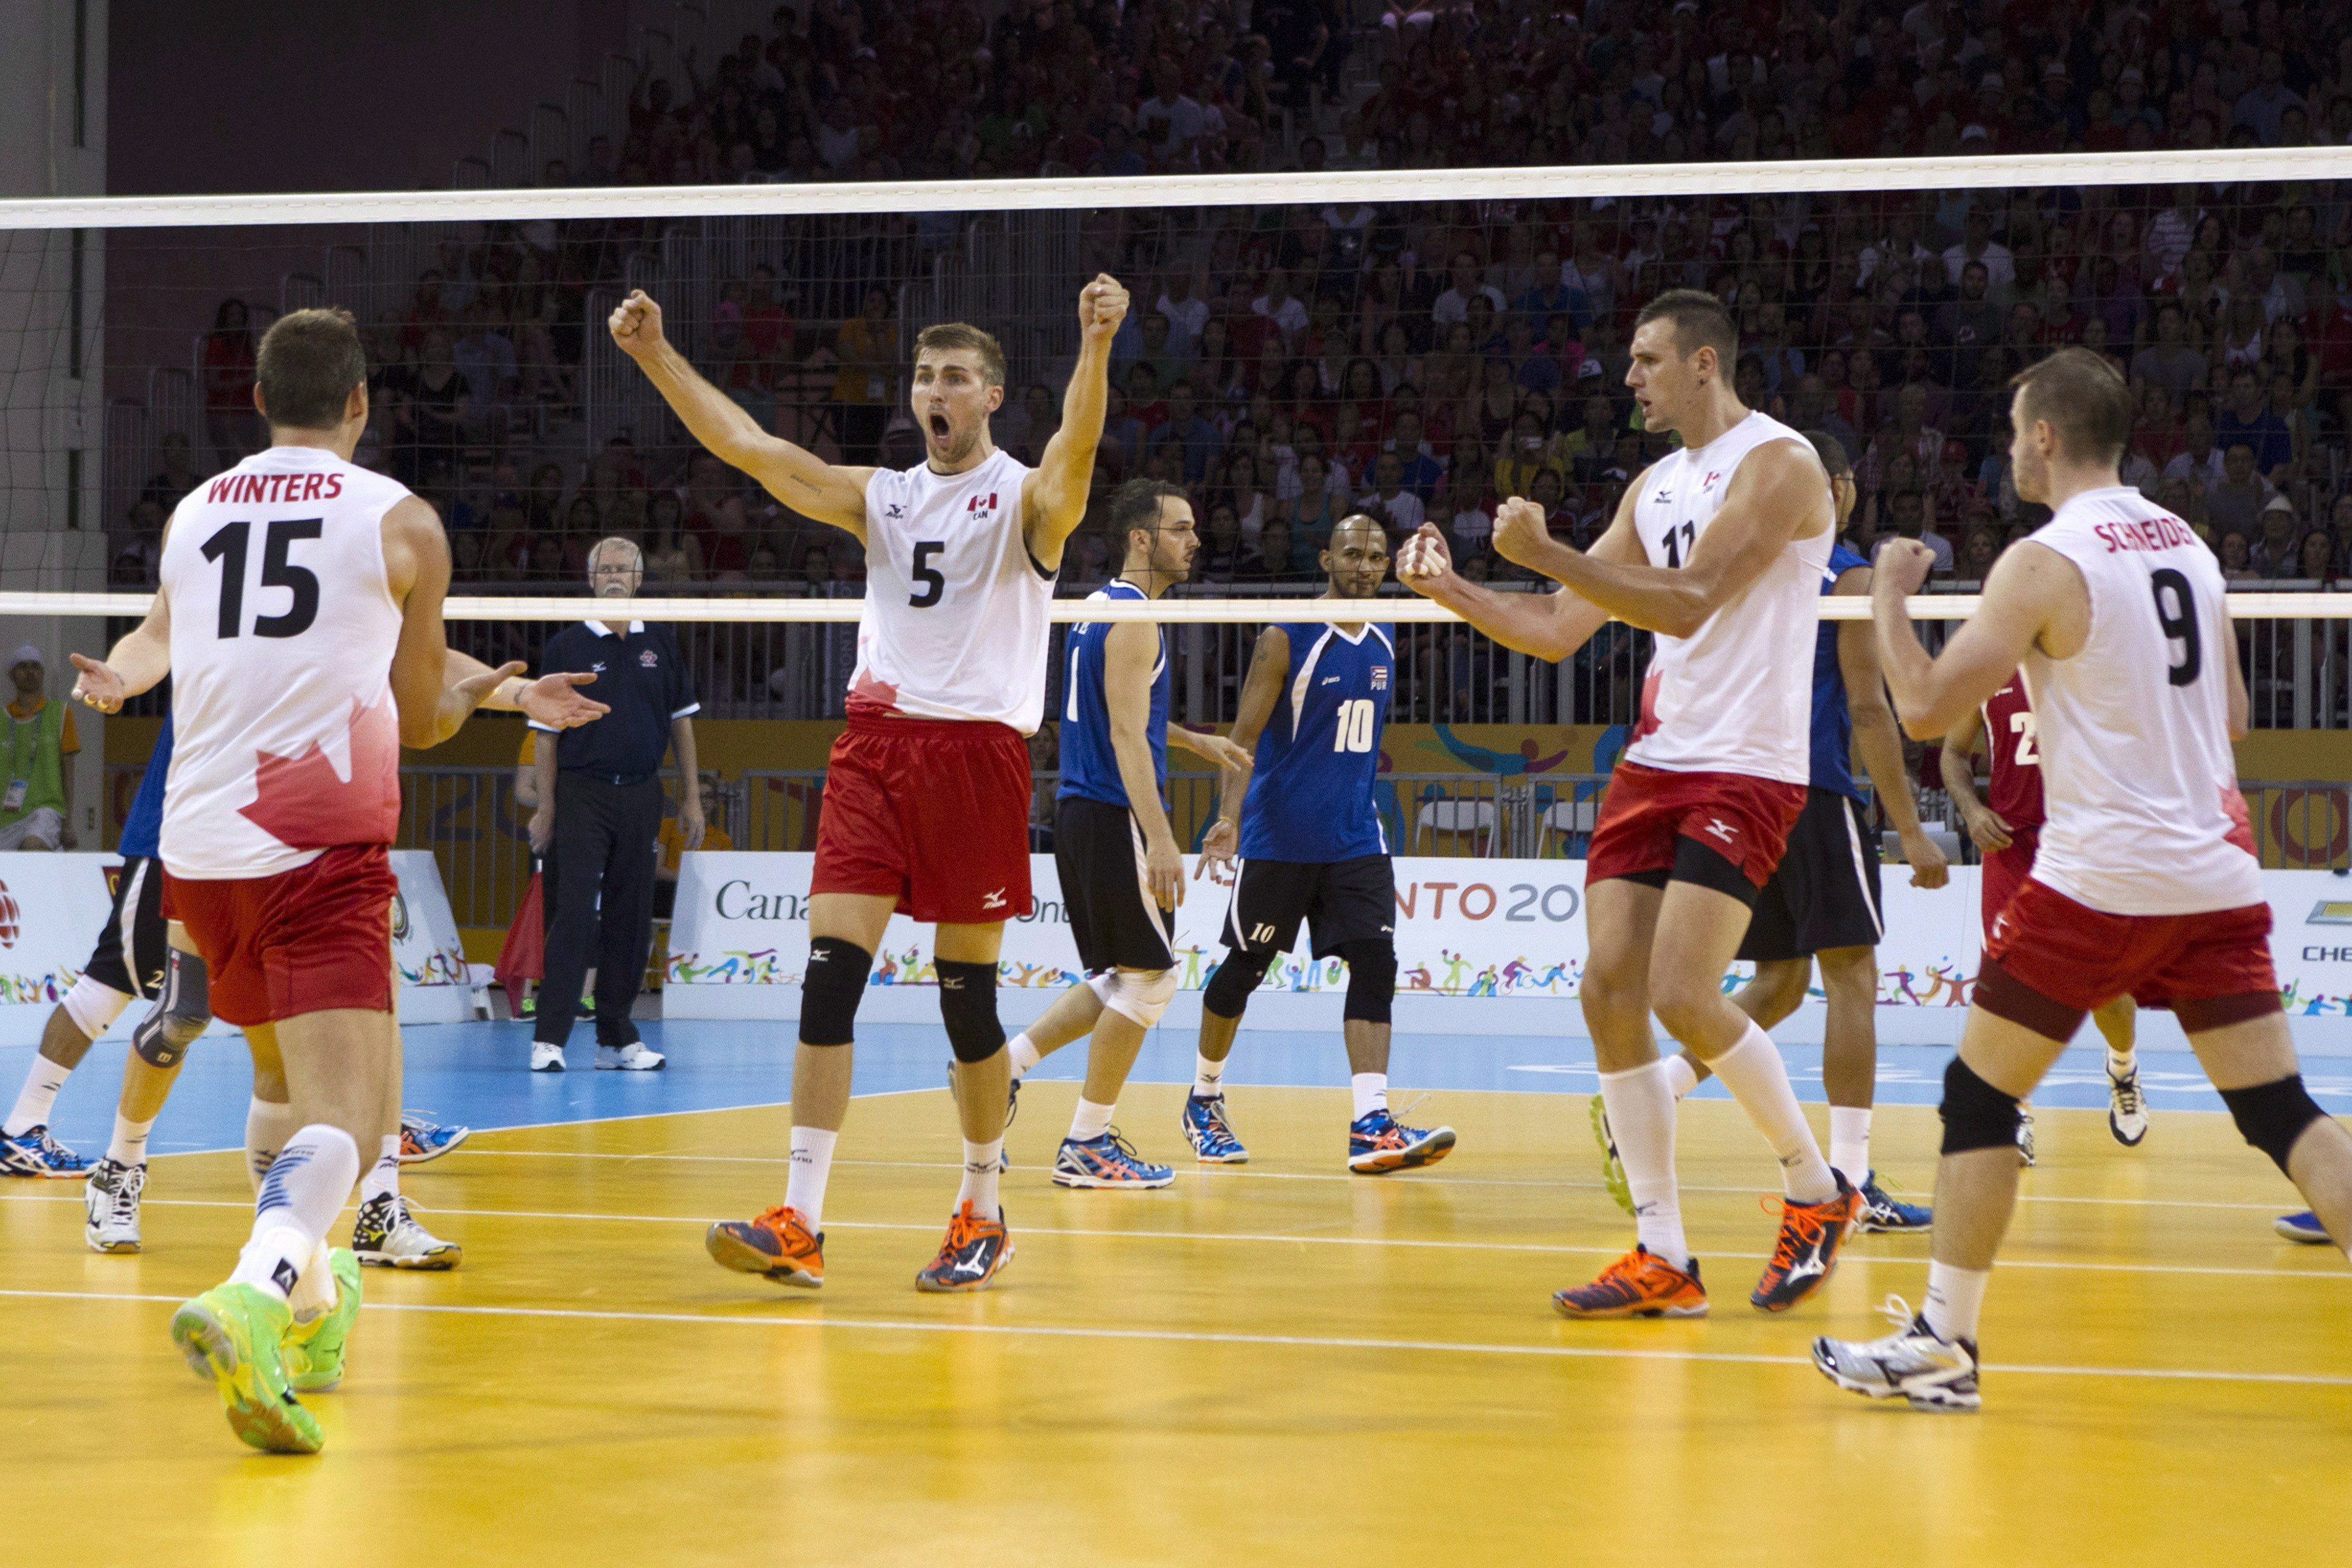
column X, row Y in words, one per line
column 645, row 682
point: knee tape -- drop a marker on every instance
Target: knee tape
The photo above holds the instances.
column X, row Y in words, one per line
column 2271, row 1116
column 1371, row 979
column 1975, row 1114
column 831, row 988
column 1104, row 986
column 967, row 1009
column 1142, row 995
column 181, row 1014
column 94, row 1007
column 1229, row 988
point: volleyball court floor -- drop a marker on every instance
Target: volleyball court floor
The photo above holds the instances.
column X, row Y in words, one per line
column 1276, row 1362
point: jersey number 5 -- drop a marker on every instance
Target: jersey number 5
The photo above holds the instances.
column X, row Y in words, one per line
column 1352, row 731
column 2178, row 620
column 231, row 545
column 934, row 581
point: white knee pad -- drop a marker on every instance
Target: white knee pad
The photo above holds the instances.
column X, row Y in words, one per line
column 94, row 1007
column 1140, row 995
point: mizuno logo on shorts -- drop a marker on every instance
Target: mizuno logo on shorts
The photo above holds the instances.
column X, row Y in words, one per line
column 1720, row 829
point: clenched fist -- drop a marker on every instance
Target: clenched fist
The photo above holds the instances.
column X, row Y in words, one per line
column 1903, row 565
column 1424, row 563
column 636, row 324
column 1102, row 305
column 1521, row 531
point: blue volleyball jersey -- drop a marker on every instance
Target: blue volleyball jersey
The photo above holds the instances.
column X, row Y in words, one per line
column 1833, row 720
column 142, row 829
column 1089, row 765
column 1310, row 796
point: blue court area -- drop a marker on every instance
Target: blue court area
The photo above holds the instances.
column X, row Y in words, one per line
column 475, row 1073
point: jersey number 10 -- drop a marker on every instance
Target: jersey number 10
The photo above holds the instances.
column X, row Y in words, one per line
column 1352, row 731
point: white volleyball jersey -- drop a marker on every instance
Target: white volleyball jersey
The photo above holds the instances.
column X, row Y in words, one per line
column 1736, row 695
column 955, row 619
column 283, row 634
column 2137, row 777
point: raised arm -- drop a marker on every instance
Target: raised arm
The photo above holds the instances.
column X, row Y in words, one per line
column 1053, row 496
column 795, row 476
column 1773, row 496
column 1549, row 625
column 2033, row 595
column 1877, row 739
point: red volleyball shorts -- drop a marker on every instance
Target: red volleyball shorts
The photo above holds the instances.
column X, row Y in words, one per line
column 932, row 812
column 1744, row 819
column 2049, row 960
column 310, row 939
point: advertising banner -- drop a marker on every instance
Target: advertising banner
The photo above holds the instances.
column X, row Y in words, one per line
column 53, row 905
column 1510, row 931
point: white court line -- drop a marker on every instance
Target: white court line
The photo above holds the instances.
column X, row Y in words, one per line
column 1279, row 1239
column 1228, row 1174
column 1207, row 1337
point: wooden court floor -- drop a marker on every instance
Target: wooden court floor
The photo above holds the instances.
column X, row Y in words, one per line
column 1274, row 1364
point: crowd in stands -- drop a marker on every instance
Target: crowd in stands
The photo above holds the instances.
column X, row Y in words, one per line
column 1287, row 364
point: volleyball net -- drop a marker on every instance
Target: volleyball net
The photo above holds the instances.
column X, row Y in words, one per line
column 1428, row 340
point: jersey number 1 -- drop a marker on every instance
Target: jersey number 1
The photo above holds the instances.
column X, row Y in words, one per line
column 1352, row 731
column 230, row 546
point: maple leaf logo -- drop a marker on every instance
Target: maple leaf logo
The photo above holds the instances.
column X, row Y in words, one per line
column 304, row 803
column 868, row 695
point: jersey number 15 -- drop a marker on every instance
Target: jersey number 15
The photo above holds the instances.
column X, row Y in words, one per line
column 233, row 544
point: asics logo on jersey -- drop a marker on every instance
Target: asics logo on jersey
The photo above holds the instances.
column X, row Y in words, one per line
column 1721, row 828
column 995, row 900
column 598, row 667
column 1330, row 680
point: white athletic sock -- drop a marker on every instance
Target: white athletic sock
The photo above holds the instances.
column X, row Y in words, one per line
column 805, row 1179
column 1753, row 1072
column 314, row 1295
column 383, row 1176
column 979, row 1189
column 299, row 1200
column 1642, row 1119
column 269, row 1123
column 1850, row 1144
column 2120, row 1063
column 1091, row 1122
column 1208, row 1077
column 40, row 1093
column 130, row 1144
column 1023, row 1052
column 1955, row 1297
column 1371, row 1092
column 1681, row 1076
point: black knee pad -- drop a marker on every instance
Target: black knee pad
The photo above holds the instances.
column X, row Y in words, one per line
column 967, row 1009
column 182, row 1011
column 830, row 987
column 2271, row 1116
column 1228, row 992
column 1975, row 1114
column 1372, row 978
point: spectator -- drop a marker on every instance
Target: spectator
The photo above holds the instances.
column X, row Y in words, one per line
column 1271, row 561
column 2247, row 420
column 485, row 359
column 1223, row 553
column 1279, row 306
column 1908, row 512
column 1193, row 438
column 37, row 812
column 1390, row 493
column 2235, row 504
column 2277, row 553
column 2234, row 554
column 2316, row 557
column 2200, row 463
column 865, row 347
column 2170, row 361
column 1453, row 306
column 231, row 425
column 1978, row 245
column 1169, row 122
column 178, row 476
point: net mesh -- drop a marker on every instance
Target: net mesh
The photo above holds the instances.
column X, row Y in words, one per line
column 1285, row 358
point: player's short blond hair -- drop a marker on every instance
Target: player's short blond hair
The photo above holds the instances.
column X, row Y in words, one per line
column 945, row 335
column 2082, row 398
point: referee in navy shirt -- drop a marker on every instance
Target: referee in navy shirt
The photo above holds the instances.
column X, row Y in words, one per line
column 600, row 813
